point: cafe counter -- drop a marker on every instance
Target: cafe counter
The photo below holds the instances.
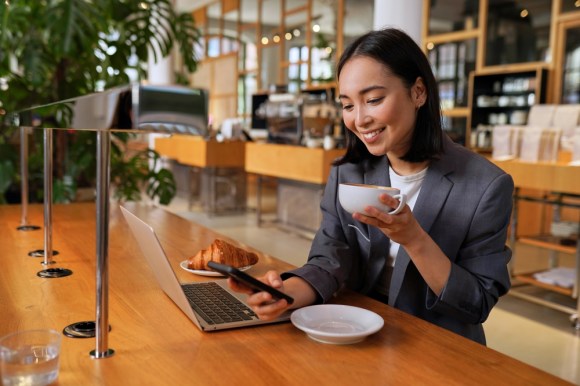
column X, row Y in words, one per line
column 301, row 173
column 217, row 177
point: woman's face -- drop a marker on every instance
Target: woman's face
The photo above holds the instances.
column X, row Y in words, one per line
column 377, row 107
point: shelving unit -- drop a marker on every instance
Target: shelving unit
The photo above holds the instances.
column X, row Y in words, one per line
column 552, row 244
column 502, row 97
column 500, row 94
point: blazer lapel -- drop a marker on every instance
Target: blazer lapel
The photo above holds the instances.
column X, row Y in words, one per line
column 432, row 197
column 379, row 246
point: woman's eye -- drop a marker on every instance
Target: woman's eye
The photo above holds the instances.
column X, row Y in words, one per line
column 347, row 107
column 374, row 101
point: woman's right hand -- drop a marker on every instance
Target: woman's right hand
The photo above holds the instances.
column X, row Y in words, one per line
column 265, row 306
column 262, row 303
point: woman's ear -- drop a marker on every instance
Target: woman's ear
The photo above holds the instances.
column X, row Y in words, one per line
column 419, row 92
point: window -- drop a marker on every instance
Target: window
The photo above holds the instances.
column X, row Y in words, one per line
column 451, row 15
column 518, row 32
column 452, row 63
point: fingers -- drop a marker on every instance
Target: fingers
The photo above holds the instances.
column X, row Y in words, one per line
column 262, row 303
column 273, row 279
column 389, row 200
column 239, row 287
column 265, row 306
column 376, row 217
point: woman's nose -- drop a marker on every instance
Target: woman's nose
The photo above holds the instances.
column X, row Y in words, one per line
column 362, row 119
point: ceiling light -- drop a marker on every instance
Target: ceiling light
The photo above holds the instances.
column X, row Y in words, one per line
column 265, row 40
column 316, row 28
column 296, row 32
column 524, row 13
column 430, row 46
column 288, row 35
column 276, row 38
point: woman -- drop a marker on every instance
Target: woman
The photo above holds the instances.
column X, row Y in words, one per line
column 443, row 257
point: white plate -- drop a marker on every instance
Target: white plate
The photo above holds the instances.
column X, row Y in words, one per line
column 203, row 272
column 336, row 324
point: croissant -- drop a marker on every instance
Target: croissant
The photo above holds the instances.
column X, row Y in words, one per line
column 221, row 252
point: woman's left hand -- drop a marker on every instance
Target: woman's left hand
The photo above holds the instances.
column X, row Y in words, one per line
column 402, row 227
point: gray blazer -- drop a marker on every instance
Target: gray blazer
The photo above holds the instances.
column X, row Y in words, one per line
column 464, row 204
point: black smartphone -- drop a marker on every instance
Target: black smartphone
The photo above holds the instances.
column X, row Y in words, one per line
column 248, row 280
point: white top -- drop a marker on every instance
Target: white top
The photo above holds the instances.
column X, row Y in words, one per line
column 411, row 186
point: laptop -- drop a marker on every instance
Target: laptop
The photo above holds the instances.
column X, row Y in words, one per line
column 210, row 305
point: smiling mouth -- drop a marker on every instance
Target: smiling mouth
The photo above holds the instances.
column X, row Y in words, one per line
column 372, row 134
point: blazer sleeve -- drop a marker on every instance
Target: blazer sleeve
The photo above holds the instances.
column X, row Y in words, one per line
column 331, row 257
column 479, row 273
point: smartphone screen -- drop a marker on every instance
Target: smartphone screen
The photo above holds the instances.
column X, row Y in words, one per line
column 248, row 280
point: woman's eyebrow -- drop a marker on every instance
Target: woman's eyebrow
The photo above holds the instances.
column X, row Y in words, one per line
column 364, row 91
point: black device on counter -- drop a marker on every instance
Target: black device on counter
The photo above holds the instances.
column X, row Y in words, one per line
column 257, row 121
column 248, row 280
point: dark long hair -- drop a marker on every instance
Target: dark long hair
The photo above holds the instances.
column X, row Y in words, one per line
column 403, row 57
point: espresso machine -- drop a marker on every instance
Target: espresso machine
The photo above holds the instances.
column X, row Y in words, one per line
column 298, row 119
column 282, row 115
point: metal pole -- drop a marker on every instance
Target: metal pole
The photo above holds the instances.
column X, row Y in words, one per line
column 24, row 226
column 24, row 174
column 103, row 178
column 48, row 252
column 47, row 197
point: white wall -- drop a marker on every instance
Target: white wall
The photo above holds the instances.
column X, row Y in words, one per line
column 160, row 73
column 403, row 14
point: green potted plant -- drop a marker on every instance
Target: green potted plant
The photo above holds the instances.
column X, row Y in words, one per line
column 53, row 50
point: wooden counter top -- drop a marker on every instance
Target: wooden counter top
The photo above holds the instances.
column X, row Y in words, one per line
column 155, row 344
column 196, row 151
column 293, row 162
column 556, row 177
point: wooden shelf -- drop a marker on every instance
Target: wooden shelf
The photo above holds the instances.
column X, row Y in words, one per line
column 483, row 150
column 528, row 278
column 543, row 176
column 456, row 112
column 548, row 242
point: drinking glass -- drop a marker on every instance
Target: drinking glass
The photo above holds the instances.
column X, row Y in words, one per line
column 30, row 357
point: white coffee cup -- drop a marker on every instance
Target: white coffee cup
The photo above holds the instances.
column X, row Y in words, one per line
column 356, row 197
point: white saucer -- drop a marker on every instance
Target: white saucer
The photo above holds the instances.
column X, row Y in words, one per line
column 336, row 324
column 203, row 272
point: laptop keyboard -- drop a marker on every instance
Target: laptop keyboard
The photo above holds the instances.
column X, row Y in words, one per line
column 216, row 305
